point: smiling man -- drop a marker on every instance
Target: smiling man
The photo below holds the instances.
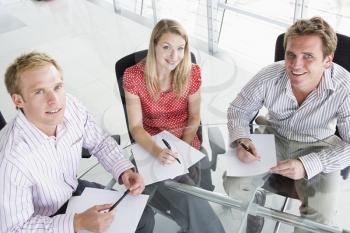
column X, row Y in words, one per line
column 307, row 96
column 40, row 150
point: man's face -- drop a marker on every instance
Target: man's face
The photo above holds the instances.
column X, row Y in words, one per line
column 42, row 98
column 305, row 62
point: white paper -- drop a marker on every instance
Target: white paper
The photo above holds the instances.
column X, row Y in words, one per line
column 266, row 148
column 129, row 210
column 153, row 171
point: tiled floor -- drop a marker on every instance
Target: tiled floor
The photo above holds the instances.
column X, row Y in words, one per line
column 87, row 40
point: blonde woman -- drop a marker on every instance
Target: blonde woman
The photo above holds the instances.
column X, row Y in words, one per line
column 162, row 92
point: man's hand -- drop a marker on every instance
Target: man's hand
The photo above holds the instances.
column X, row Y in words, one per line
column 94, row 219
column 133, row 181
column 244, row 155
column 292, row 168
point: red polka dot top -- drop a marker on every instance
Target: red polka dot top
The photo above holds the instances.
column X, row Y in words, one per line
column 168, row 112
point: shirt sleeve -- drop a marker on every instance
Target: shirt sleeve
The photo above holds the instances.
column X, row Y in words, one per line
column 130, row 79
column 196, row 79
column 102, row 145
column 16, row 206
column 335, row 157
column 244, row 107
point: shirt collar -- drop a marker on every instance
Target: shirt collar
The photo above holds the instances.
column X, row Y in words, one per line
column 37, row 137
column 326, row 81
column 325, row 84
column 287, row 86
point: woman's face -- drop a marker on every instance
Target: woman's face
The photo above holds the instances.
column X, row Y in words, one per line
column 169, row 51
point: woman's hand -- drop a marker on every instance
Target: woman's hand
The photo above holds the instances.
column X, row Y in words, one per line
column 167, row 156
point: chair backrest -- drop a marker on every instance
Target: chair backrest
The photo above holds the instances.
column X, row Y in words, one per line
column 341, row 55
column 2, row 121
column 121, row 65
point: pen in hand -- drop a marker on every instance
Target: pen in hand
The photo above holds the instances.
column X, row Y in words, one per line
column 119, row 200
column 169, row 147
column 246, row 148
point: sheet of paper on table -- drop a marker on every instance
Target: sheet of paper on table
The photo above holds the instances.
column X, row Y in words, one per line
column 265, row 145
column 153, row 171
column 129, row 210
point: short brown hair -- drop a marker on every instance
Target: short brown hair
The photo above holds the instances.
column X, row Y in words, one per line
column 314, row 26
column 23, row 63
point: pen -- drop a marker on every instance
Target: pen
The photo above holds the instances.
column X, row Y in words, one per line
column 119, row 200
column 169, row 147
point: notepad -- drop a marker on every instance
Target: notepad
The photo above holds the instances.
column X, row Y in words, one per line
column 128, row 213
column 265, row 145
column 153, row 171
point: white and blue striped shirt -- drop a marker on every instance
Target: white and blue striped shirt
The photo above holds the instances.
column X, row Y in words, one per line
column 38, row 174
column 325, row 108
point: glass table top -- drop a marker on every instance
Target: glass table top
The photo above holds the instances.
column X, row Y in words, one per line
column 240, row 203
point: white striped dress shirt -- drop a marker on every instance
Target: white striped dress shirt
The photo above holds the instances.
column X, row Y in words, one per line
column 325, row 108
column 38, row 174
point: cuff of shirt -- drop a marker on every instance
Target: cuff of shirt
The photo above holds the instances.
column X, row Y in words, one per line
column 63, row 223
column 312, row 164
column 237, row 134
column 121, row 167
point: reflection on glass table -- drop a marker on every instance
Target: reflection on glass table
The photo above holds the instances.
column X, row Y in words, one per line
column 251, row 203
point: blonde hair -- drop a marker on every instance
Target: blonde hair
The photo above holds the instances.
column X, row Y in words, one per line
column 182, row 71
column 23, row 63
column 314, row 26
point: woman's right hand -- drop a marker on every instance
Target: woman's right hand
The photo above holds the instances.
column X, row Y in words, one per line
column 167, row 156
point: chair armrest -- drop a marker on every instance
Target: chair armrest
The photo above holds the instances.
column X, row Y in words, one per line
column 217, row 144
column 85, row 154
column 110, row 184
column 116, row 137
column 345, row 172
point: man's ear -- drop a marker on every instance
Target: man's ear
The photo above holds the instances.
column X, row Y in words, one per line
column 18, row 100
column 328, row 60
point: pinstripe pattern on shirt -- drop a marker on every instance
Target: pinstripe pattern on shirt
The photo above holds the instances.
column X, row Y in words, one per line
column 38, row 174
column 315, row 119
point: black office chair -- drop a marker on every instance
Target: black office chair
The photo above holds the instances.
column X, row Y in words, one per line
column 121, row 65
column 341, row 57
column 214, row 135
column 2, row 121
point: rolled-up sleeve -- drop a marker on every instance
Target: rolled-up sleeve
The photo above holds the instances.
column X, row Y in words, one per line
column 335, row 157
column 104, row 148
column 243, row 108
